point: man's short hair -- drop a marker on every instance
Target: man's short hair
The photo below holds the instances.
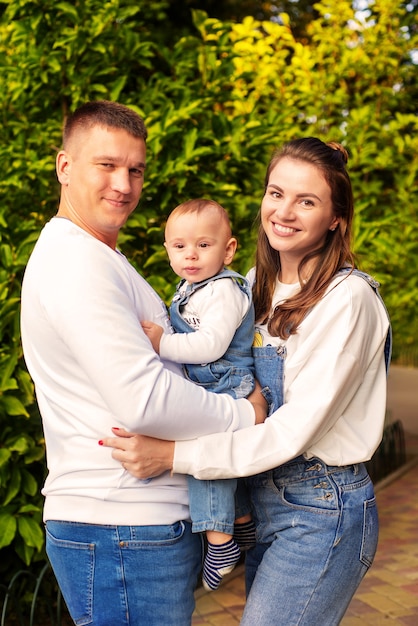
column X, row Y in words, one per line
column 107, row 114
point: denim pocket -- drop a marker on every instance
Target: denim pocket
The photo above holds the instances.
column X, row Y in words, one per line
column 155, row 536
column 73, row 565
column 370, row 532
column 317, row 495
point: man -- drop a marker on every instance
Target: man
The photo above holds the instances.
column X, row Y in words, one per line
column 121, row 548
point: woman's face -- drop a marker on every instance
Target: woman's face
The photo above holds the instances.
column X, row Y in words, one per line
column 296, row 211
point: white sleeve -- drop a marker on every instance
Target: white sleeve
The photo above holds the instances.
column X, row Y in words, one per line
column 221, row 305
column 335, row 388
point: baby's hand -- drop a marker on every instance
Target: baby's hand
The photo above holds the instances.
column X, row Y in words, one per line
column 154, row 333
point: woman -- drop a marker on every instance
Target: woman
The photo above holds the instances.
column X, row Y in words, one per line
column 321, row 332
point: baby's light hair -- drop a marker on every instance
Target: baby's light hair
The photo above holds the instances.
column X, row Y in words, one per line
column 200, row 206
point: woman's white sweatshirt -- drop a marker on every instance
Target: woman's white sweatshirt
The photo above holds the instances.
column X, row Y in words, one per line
column 94, row 368
column 334, row 392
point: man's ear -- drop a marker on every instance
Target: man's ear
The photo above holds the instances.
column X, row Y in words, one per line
column 230, row 250
column 63, row 167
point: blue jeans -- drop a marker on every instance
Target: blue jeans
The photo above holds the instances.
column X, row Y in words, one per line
column 317, row 530
column 126, row 575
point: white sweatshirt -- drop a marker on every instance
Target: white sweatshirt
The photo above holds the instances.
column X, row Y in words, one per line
column 334, row 393
column 94, row 368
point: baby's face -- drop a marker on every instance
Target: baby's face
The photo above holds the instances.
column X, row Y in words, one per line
column 198, row 245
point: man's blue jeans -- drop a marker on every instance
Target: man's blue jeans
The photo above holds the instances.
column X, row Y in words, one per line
column 317, row 530
column 126, row 575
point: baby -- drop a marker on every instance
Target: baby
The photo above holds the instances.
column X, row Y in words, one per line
column 213, row 318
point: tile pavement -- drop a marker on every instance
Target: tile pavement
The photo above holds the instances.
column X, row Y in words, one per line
column 388, row 595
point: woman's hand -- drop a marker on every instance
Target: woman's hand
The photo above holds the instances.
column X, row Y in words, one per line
column 143, row 457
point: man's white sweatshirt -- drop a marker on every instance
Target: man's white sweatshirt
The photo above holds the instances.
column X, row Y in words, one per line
column 94, row 368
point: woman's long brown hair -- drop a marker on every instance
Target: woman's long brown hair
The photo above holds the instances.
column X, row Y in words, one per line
column 331, row 159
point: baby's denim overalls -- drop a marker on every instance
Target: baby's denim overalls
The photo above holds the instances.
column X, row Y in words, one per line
column 212, row 502
column 317, row 526
column 233, row 373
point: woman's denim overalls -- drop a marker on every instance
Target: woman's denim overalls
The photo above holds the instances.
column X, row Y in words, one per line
column 317, row 527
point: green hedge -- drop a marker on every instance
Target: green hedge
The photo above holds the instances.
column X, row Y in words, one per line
column 215, row 103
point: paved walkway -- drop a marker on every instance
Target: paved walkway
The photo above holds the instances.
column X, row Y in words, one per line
column 388, row 595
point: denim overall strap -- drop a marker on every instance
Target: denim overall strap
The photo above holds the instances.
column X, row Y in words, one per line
column 269, row 371
column 375, row 286
column 181, row 298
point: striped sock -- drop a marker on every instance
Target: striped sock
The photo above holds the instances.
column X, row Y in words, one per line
column 220, row 560
column 244, row 535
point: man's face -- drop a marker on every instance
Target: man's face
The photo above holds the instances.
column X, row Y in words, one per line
column 102, row 174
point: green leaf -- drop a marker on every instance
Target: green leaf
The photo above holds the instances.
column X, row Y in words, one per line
column 4, row 456
column 30, row 508
column 68, row 9
column 13, row 406
column 7, row 529
column 23, row 551
column 30, row 532
column 13, row 486
column 29, row 484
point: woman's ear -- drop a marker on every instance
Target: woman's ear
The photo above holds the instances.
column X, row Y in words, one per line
column 334, row 224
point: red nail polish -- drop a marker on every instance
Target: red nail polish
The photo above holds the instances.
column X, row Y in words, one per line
column 100, row 442
column 115, row 428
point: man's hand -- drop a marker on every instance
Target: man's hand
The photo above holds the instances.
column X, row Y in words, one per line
column 143, row 457
column 154, row 333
